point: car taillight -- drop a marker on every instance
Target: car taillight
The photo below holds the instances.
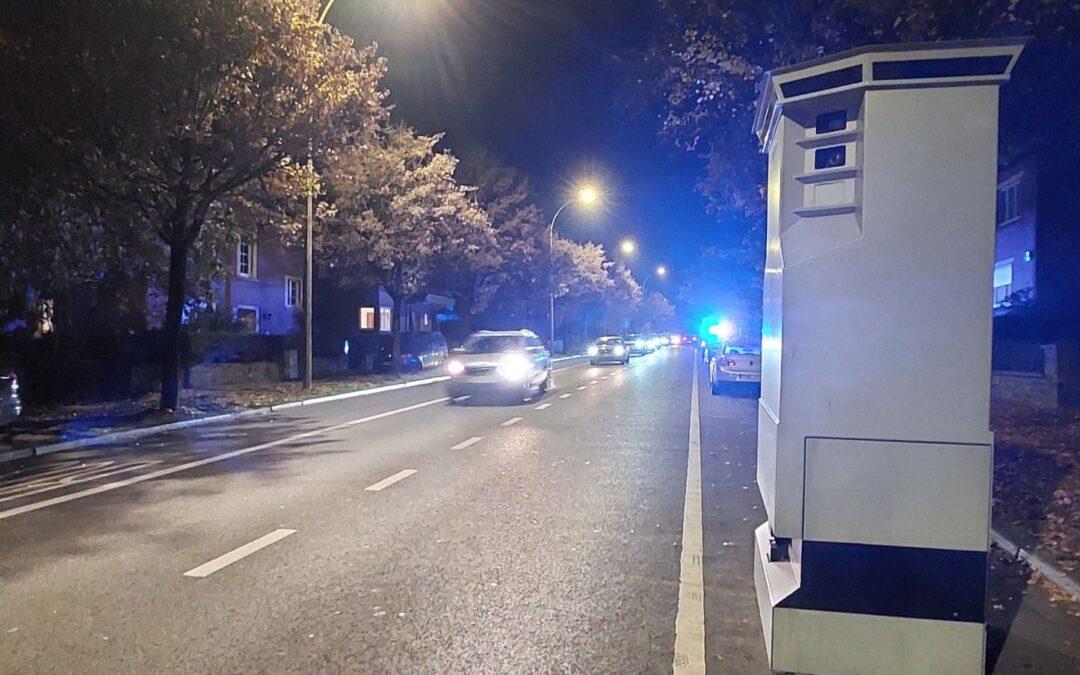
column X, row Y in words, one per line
column 14, row 383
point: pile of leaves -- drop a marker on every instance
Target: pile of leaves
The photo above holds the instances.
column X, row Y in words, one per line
column 1037, row 481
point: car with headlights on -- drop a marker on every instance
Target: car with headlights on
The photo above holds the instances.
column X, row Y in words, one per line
column 500, row 364
column 608, row 349
column 733, row 365
column 639, row 344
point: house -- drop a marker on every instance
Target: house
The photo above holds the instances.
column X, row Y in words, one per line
column 1037, row 251
column 263, row 284
column 362, row 316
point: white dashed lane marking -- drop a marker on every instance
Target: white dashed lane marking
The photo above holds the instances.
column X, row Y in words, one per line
column 543, row 406
column 511, row 422
column 467, row 442
column 206, row 569
column 565, row 395
column 390, row 480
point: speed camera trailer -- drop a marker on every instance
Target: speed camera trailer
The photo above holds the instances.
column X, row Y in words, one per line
column 874, row 450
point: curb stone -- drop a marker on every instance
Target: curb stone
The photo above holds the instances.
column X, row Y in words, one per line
column 1049, row 572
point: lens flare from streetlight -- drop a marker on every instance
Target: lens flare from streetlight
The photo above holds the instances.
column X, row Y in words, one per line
column 588, row 195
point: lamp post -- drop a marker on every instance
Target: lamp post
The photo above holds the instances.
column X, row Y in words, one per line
column 660, row 271
column 309, row 247
column 586, row 195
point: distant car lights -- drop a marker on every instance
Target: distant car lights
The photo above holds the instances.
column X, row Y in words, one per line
column 593, row 350
column 455, row 367
column 619, row 350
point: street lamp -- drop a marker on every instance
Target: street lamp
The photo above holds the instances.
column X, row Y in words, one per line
column 627, row 246
column 660, row 272
column 586, row 195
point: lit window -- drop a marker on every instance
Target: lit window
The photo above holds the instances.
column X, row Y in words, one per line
column 386, row 319
column 293, row 292
column 1003, row 278
column 367, row 318
column 1008, row 204
column 247, row 317
column 245, row 257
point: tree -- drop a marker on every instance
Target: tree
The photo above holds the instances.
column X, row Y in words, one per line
column 398, row 213
column 160, row 110
column 706, row 61
column 507, row 271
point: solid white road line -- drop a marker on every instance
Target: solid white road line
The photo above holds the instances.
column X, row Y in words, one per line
column 390, row 480
column 690, row 619
column 568, row 395
column 168, row 471
column 206, row 569
column 543, row 406
column 511, row 422
column 75, row 479
column 467, row 442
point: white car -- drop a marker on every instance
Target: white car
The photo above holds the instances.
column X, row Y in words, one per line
column 503, row 364
column 735, row 364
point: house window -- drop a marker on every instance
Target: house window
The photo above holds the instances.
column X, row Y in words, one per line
column 1008, row 204
column 386, row 319
column 245, row 257
column 248, row 318
column 1003, row 278
column 829, row 158
column 293, row 293
column 367, row 318
column 831, row 121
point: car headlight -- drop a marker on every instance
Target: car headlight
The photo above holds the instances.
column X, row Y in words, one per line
column 455, row 367
column 593, row 350
column 639, row 343
column 514, row 367
column 619, row 350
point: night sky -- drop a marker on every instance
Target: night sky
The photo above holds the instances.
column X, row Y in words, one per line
column 536, row 84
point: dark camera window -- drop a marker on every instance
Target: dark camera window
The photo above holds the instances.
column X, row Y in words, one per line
column 832, row 121
column 827, row 158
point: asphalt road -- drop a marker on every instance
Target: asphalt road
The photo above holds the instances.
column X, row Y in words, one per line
column 399, row 533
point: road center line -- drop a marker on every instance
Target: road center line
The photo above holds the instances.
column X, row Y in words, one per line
column 690, row 619
column 467, row 442
column 583, row 387
column 543, row 406
column 511, row 422
column 390, row 480
column 592, row 381
column 568, row 395
column 206, row 569
column 168, row 471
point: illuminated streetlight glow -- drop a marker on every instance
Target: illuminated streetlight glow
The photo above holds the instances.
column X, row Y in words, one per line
column 627, row 246
column 588, row 195
column 661, row 271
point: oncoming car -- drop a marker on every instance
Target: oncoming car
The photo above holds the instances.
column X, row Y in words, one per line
column 639, row 344
column 504, row 364
column 608, row 349
column 735, row 364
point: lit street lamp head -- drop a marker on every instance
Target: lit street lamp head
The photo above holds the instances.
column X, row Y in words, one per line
column 661, row 271
column 627, row 246
column 588, row 195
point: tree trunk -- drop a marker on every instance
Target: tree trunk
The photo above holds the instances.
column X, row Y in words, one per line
column 174, row 313
column 397, row 292
column 395, row 350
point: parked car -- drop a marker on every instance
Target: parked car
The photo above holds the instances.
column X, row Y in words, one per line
column 10, row 403
column 608, row 349
column 735, row 364
column 419, row 351
column 639, row 344
column 503, row 364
